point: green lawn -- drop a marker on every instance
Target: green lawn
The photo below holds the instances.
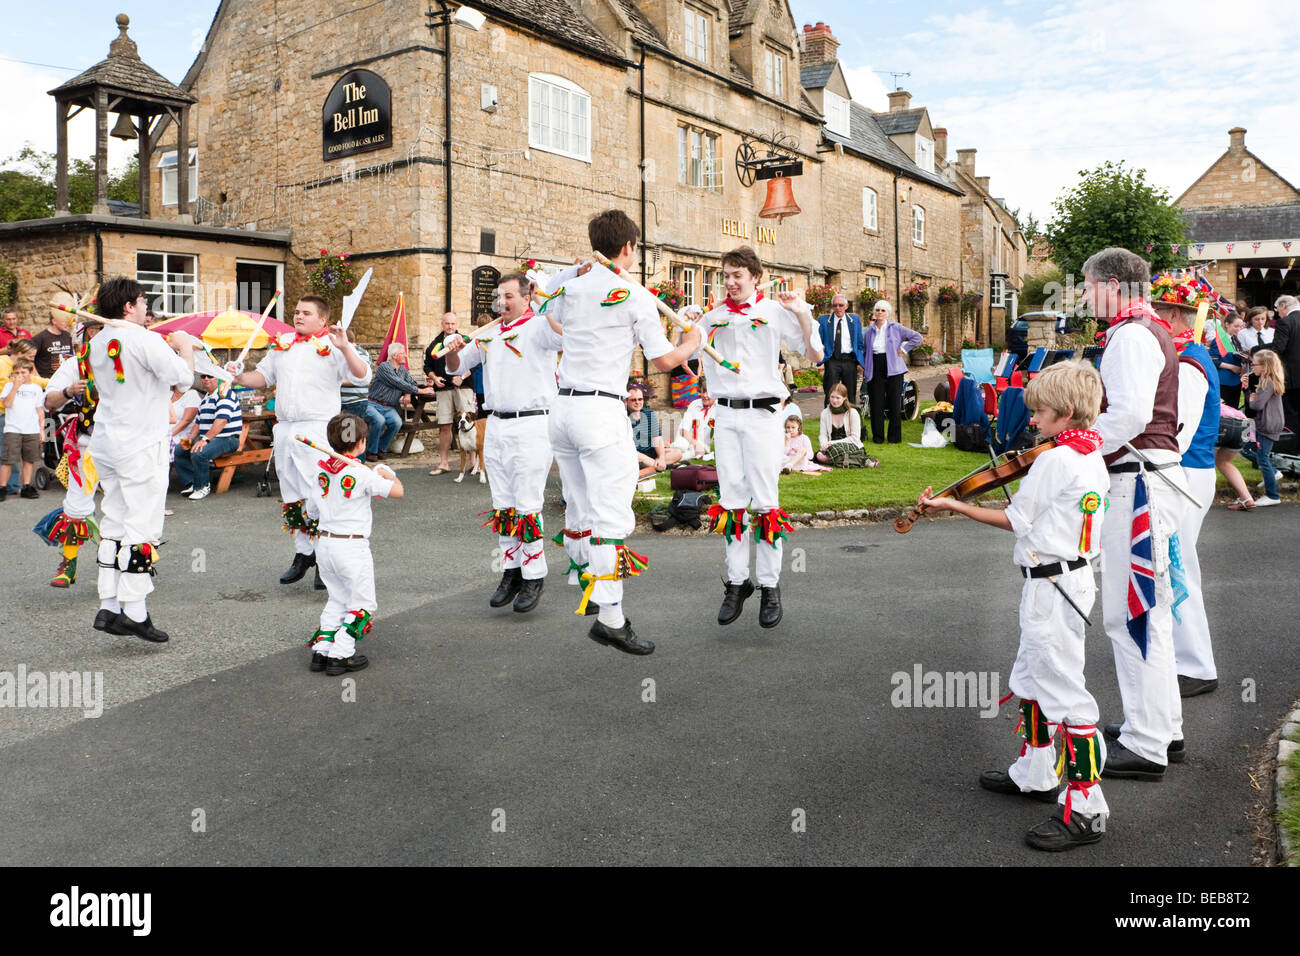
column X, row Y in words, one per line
column 1289, row 818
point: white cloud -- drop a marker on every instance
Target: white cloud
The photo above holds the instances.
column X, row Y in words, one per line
column 866, row 87
column 30, row 116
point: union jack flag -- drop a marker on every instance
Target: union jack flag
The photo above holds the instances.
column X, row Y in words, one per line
column 1141, row 572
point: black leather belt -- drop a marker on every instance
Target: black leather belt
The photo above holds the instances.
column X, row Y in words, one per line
column 530, row 414
column 767, row 403
column 1053, row 569
column 574, row 391
column 1133, row 467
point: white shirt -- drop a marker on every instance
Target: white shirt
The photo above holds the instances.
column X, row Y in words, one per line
column 343, row 496
column 64, row 377
column 1248, row 338
column 1132, row 356
column 1046, row 514
column 599, row 339
column 132, row 414
column 189, row 399
column 756, row 349
column 306, row 382
column 514, row 383
column 21, row 417
column 878, row 343
column 840, row 326
column 1192, row 386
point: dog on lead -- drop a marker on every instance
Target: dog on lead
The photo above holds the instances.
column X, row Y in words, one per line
column 469, row 441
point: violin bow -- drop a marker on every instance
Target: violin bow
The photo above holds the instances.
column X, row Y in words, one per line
column 1033, row 556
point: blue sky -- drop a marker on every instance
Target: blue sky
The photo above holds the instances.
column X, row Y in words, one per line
column 1040, row 90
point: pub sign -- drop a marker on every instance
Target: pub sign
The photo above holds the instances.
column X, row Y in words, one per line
column 357, row 116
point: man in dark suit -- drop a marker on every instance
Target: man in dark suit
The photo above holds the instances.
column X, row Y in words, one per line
column 1286, row 343
column 841, row 334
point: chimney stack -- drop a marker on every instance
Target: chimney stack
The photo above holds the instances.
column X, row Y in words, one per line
column 941, row 143
column 984, row 182
column 899, row 100
column 819, row 45
column 966, row 161
column 1236, row 138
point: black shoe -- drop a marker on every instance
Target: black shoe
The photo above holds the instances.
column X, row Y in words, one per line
column 1054, row 834
column 318, row 584
column 769, row 608
column 530, row 592
column 141, row 629
column 1176, row 752
column 29, row 491
column 622, row 638
column 733, row 601
column 1000, row 782
column 341, row 665
column 301, row 562
column 1124, row 763
column 1194, row 686
column 510, row 584
column 104, row 622
column 4, row 493
column 318, row 661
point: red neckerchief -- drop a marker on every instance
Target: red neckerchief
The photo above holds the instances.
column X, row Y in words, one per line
column 1083, row 440
column 743, row 307
column 307, row 338
column 1134, row 309
column 332, row 465
column 1182, row 340
column 517, row 322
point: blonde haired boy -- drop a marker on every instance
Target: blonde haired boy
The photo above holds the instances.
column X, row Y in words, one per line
column 1056, row 517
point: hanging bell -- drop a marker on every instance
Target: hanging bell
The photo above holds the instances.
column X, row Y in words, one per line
column 124, row 128
column 780, row 200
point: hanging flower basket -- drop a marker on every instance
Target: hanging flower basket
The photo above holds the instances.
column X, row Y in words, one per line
column 669, row 293
column 332, row 278
column 819, row 297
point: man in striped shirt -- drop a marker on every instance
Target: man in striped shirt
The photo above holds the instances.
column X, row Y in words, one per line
column 215, row 433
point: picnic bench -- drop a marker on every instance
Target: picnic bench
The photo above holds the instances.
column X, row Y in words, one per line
column 242, row 455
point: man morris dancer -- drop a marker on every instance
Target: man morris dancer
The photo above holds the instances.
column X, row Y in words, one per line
column 72, row 388
column 134, row 371
column 604, row 318
column 307, row 370
column 749, row 435
column 518, row 358
column 1139, row 371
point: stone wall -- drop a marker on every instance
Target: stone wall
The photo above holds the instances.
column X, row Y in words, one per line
column 1238, row 178
column 43, row 260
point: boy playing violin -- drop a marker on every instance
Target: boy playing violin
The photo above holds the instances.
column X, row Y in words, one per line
column 1056, row 517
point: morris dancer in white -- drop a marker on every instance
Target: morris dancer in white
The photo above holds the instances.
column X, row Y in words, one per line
column 518, row 357
column 134, row 371
column 749, row 435
column 307, row 370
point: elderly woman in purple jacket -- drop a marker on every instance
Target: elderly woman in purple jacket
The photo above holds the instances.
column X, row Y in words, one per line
column 884, row 343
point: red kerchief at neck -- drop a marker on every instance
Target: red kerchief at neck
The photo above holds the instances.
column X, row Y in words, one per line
column 1083, row 440
column 517, row 322
column 742, row 307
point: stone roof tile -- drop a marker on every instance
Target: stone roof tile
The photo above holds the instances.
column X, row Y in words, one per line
column 904, row 121
column 1243, row 223
column 557, row 18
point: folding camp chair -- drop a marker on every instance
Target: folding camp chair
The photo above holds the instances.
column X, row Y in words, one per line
column 978, row 364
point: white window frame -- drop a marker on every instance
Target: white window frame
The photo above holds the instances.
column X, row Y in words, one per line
column 162, row 284
column 918, row 225
column 925, row 153
column 870, row 209
column 278, row 311
column 699, row 160
column 169, row 173
column 696, row 29
column 871, row 282
column 713, row 286
column 837, row 112
column 997, row 293
column 559, row 94
column 685, row 278
column 774, row 72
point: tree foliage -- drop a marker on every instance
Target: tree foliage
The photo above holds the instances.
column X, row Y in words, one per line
column 1039, row 289
column 1115, row 206
column 27, row 185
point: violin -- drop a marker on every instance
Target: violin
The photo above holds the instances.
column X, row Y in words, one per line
column 991, row 477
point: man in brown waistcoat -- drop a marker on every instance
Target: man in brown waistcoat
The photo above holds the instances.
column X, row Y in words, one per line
column 1139, row 372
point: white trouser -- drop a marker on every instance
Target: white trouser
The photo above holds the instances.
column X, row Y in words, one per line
column 749, row 445
column 1148, row 687
column 296, row 467
column 592, row 441
column 79, row 500
column 1049, row 669
column 135, row 492
column 518, row 454
column 348, row 572
column 1193, row 649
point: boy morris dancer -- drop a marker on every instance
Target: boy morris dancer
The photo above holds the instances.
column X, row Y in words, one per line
column 749, row 435
column 1056, row 517
column 307, row 370
column 518, row 358
column 72, row 387
column 134, row 371
column 343, row 493
column 604, row 318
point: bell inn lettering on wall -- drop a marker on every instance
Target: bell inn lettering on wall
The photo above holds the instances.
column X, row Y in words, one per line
column 741, row 230
column 357, row 116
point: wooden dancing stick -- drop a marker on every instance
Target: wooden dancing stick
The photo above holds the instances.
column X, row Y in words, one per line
column 348, row 459
column 120, row 323
column 676, row 319
column 260, row 322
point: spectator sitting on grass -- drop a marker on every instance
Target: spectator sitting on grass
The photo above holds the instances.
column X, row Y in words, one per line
column 840, row 437
column 652, row 456
column 798, row 450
